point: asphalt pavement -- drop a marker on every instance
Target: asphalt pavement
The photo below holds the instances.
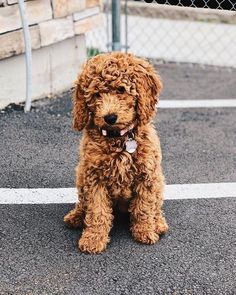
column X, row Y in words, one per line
column 38, row 254
column 197, row 256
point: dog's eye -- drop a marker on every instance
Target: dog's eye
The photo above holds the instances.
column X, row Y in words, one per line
column 121, row 89
column 96, row 95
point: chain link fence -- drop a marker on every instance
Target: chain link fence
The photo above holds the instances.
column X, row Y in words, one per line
column 186, row 31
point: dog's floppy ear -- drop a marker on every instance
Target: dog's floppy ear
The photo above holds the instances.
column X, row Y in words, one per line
column 149, row 87
column 80, row 111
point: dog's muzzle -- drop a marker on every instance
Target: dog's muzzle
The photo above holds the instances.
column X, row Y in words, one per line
column 116, row 133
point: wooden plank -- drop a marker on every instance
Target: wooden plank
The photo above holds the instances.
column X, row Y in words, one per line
column 37, row 11
column 12, row 43
column 56, row 30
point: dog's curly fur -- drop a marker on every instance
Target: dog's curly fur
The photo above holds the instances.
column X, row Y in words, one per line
column 108, row 176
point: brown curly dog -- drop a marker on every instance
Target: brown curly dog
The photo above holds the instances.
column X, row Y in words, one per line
column 120, row 155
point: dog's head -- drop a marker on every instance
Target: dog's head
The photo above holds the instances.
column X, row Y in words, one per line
column 116, row 90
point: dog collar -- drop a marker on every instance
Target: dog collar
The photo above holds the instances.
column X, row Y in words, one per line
column 117, row 133
column 130, row 143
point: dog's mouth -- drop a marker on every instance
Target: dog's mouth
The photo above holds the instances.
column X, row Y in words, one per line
column 116, row 132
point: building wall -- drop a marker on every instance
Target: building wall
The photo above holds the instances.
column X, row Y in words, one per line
column 57, row 29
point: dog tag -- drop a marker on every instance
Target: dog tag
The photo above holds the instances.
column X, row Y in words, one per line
column 131, row 145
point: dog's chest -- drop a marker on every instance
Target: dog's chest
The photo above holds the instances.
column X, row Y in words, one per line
column 120, row 174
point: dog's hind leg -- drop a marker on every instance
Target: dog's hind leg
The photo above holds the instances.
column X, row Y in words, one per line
column 161, row 226
column 74, row 218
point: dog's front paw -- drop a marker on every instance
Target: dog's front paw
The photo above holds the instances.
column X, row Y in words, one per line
column 93, row 243
column 145, row 236
column 73, row 219
column 161, row 226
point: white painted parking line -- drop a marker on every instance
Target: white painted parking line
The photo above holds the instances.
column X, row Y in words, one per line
column 37, row 195
column 68, row 195
column 203, row 103
column 201, row 190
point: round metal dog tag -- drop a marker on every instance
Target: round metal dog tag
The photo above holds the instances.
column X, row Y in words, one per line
column 131, row 145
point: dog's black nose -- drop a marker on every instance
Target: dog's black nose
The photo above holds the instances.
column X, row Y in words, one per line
column 110, row 119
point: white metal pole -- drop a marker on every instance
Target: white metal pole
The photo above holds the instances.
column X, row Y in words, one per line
column 28, row 55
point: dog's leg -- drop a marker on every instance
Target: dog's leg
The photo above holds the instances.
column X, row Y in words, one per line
column 74, row 218
column 142, row 210
column 98, row 221
column 161, row 226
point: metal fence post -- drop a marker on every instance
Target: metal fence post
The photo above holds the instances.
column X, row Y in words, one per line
column 116, row 45
column 126, row 26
